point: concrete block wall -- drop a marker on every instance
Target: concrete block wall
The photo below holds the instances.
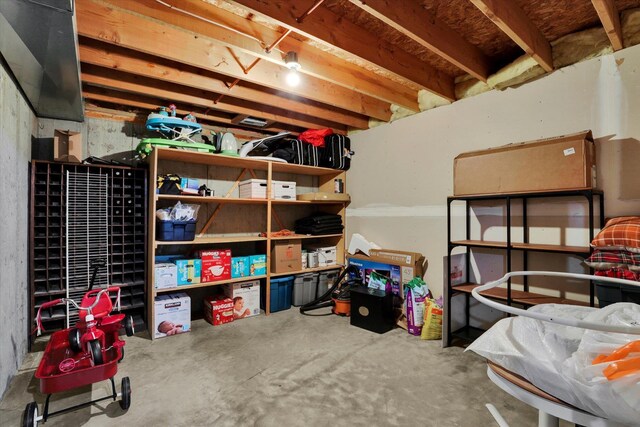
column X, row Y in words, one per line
column 17, row 125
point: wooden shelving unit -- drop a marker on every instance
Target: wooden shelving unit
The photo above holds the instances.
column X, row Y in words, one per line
column 509, row 295
column 269, row 214
column 127, row 207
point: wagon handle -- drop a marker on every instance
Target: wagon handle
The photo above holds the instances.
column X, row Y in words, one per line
column 39, row 327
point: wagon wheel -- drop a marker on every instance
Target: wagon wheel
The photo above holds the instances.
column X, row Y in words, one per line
column 125, row 401
column 74, row 340
column 30, row 415
column 129, row 326
column 95, row 349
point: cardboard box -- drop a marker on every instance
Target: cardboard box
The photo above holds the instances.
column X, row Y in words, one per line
column 216, row 265
column 257, row 265
column 189, row 185
column 246, row 298
column 285, row 256
column 218, row 310
column 399, row 272
column 165, row 275
column 189, row 271
column 172, row 314
column 67, row 146
column 406, row 259
column 327, row 255
column 240, row 267
column 552, row 164
column 257, row 189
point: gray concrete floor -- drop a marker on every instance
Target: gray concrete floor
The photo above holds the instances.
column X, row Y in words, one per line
column 285, row 369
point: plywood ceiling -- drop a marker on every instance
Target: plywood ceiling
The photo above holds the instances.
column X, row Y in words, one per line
column 358, row 58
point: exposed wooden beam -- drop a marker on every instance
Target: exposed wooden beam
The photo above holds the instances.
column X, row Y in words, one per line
column 610, row 18
column 131, row 83
column 414, row 21
column 96, row 53
column 99, row 21
column 248, row 36
column 512, row 20
column 151, row 104
column 325, row 26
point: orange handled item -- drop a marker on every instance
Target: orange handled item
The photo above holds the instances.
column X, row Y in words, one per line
column 619, row 368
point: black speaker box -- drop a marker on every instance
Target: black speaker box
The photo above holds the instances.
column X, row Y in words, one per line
column 372, row 309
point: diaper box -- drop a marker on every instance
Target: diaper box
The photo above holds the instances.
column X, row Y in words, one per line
column 240, row 267
column 246, row 298
column 172, row 314
column 258, row 265
column 218, row 310
column 189, row 271
column 216, row 265
column 165, row 275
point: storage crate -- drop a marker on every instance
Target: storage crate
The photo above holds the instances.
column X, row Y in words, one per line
column 325, row 281
column 304, row 288
column 280, row 299
column 610, row 293
column 257, row 189
column 175, row 230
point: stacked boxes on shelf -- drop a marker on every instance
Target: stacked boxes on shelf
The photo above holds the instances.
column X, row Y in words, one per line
column 257, row 189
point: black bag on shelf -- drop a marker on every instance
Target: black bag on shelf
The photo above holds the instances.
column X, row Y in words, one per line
column 169, row 184
column 311, row 154
column 337, row 152
column 292, row 151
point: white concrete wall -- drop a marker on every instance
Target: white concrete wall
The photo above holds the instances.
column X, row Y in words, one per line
column 403, row 172
column 17, row 124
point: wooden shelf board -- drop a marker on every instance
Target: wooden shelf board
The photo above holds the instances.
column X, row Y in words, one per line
column 551, row 248
column 482, row 243
column 521, row 297
column 208, row 284
column 305, row 236
column 239, row 162
column 211, row 240
column 201, row 199
column 308, row 202
column 308, row 270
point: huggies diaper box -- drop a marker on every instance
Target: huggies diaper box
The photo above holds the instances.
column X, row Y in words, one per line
column 172, row 314
column 216, row 265
column 218, row 310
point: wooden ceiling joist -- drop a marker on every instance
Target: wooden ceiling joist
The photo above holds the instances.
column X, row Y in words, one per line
column 512, row 20
column 173, row 92
column 417, row 23
column 610, row 18
column 151, row 104
column 325, row 26
column 93, row 52
column 101, row 22
column 248, row 36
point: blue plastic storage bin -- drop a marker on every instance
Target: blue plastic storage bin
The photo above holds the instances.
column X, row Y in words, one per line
column 175, row 230
column 280, row 299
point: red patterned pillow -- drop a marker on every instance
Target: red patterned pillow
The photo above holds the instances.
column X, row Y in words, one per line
column 619, row 273
column 604, row 260
column 619, row 233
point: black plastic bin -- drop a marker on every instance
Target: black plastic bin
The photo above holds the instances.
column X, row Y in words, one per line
column 175, row 230
column 610, row 293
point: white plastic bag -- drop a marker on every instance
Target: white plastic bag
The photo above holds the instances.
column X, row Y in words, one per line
column 557, row 359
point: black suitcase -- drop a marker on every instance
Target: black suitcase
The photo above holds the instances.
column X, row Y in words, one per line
column 337, row 152
column 311, row 156
column 293, row 151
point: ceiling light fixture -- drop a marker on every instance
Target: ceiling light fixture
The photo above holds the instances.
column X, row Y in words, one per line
column 291, row 62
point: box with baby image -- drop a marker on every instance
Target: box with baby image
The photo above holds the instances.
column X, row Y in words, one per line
column 246, row 298
column 218, row 310
column 216, row 265
column 172, row 314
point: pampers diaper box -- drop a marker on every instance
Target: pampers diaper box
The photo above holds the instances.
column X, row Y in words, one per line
column 188, row 271
column 172, row 314
column 246, row 298
column 258, row 265
column 240, row 267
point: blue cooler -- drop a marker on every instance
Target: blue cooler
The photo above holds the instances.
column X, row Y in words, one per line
column 281, row 289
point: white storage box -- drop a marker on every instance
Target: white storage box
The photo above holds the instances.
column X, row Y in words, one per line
column 327, row 255
column 165, row 275
column 257, row 189
column 246, row 298
column 172, row 314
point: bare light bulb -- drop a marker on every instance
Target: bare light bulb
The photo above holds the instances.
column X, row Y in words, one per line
column 293, row 78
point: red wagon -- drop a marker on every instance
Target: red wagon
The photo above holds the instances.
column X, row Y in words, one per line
column 83, row 355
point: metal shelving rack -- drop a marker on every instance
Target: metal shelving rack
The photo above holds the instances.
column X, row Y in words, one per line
column 216, row 232
column 127, row 210
column 524, row 297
